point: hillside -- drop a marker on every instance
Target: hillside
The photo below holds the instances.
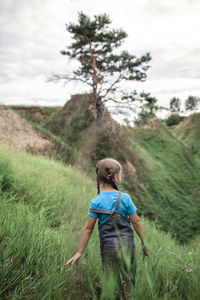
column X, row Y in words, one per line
column 160, row 172
column 75, row 123
column 21, row 127
column 15, row 131
column 46, row 204
column 168, row 179
column 189, row 132
column 37, row 114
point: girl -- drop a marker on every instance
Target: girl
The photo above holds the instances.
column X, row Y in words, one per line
column 114, row 210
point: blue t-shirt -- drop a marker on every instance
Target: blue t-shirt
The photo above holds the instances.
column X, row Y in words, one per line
column 107, row 200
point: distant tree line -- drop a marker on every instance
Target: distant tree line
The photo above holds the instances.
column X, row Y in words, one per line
column 149, row 108
column 191, row 104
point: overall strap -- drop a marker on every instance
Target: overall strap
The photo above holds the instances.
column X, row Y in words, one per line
column 118, row 202
column 101, row 211
column 107, row 211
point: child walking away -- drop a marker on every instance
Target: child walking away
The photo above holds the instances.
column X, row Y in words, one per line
column 115, row 212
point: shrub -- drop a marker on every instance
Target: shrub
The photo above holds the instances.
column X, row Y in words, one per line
column 174, row 119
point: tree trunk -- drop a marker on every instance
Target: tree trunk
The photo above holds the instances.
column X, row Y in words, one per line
column 97, row 99
column 99, row 111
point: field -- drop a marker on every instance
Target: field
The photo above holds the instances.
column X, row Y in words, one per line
column 44, row 206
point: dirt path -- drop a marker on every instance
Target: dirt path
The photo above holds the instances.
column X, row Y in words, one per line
column 18, row 133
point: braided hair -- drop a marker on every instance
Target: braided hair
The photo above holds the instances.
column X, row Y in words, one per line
column 105, row 171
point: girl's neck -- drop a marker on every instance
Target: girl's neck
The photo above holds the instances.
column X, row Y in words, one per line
column 108, row 188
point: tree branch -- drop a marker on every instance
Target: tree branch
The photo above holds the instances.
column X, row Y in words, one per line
column 57, row 77
column 112, row 85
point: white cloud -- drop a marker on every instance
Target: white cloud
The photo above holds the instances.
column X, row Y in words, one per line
column 33, row 33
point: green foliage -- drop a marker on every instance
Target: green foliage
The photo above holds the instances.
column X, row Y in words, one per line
column 148, row 107
column 175, row 104
column 33, row 252
column 192, row 103
column 93, row 38
column 174, row 119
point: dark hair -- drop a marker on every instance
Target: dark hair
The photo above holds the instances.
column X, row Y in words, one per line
column 105, row 170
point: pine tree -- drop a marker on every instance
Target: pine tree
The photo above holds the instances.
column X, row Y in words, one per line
column 192, row 103
column 148, row 109
column 100, row 66
column 175, row 104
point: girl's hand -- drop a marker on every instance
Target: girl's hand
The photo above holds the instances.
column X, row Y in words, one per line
column 145, row 251
column 74, row 259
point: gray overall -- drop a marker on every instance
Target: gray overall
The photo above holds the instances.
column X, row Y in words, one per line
column 116, row 234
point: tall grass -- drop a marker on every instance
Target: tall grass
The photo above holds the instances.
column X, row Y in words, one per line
column 167, row 188
column 43, row 208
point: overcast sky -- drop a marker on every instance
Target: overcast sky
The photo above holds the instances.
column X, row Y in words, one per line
column 33, row 32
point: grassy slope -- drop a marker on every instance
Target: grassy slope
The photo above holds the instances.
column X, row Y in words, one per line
column 61, row 150
column 44, row 206
column 168, row 184
column 167, row 187
column 168, row 170
column 31, row 112
column 73, row 119
column 189, row 132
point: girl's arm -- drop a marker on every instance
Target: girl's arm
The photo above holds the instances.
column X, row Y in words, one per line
column 86, row 234
column 140, row 231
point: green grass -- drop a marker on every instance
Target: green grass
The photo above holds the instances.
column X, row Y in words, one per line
column 167, row 188
column 190, row 133
column 72, row 121
column 166, row 161
column 62, row 151
column 28, row 112
column 43, row 208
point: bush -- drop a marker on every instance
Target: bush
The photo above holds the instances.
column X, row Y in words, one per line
column 174, row 119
